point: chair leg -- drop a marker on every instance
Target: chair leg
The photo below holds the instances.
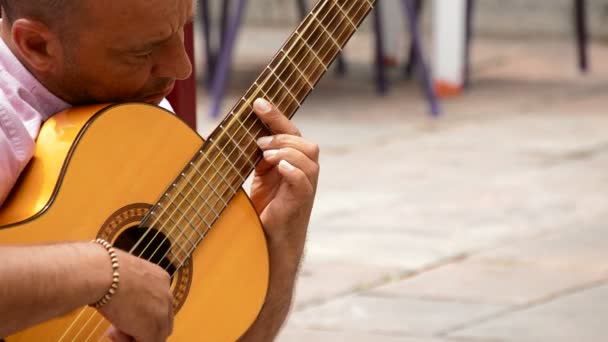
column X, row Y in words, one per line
column 209, row 53
column 225, row 21
column 225, row 59
column 381, row 80
column 581, row 33
column 302, row 8
column 468, row 42
column 411, row 60
column 427, row 83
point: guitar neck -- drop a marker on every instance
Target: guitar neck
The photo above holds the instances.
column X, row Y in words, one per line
column 286, row 81
column 230, row 154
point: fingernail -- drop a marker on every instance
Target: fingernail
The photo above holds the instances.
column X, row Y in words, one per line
column 264, row 141
column 270, row 153
column 262, row 105
column 286, row 166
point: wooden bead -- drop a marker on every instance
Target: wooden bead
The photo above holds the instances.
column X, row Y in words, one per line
column 115, row 274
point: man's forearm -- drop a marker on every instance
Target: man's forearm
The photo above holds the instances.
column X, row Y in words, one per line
column 283, row 271
column 38, row 283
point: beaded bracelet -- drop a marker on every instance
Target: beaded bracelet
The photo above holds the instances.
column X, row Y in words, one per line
column 115, row 275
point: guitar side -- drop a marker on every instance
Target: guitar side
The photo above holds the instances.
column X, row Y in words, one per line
column 88, row 165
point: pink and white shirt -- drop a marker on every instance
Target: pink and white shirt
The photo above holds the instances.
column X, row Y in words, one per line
column 24, row 105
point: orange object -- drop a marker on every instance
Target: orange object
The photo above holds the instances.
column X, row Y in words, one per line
column 448, row 89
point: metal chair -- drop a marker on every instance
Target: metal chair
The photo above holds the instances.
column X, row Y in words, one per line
column 580, row 27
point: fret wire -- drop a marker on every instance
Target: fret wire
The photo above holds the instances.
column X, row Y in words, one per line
column 290, row 73
column 201, row 176
column 312, row 68
column 271, row 99
column 218, row 197
column 245, row 128
column 346, row 15
column 185, row 198
column 238, row 146
column 282, row 95
column 298, row 74
column 202, row 197
column 217, row 172
column 284, row 86
column 185, row 215
column 193, row 186
column 240, row 175
column 292, row 62
column 177, row 226
column 211, row 187
column 312, row 50
column 327, row 32
column 227, row 157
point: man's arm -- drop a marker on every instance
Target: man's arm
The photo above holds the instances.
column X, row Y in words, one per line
column 38, row 283
column 283, row 192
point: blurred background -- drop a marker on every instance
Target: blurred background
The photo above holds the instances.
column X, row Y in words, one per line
column 463, row 191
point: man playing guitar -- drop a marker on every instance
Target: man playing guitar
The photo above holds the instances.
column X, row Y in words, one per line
column 55, row 54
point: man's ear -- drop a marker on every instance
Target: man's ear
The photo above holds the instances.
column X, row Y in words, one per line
column 37, row 46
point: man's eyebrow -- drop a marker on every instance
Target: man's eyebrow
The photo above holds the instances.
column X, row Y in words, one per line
column 151, row 44
column 154, row 43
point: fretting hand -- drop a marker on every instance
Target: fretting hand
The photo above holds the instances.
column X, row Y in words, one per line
column 285, row 183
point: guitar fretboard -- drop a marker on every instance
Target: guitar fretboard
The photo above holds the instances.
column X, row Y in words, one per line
column 217, row 172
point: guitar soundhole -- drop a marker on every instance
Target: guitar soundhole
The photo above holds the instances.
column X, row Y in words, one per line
column 149, row 244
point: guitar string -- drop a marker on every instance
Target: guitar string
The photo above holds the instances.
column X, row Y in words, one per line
column 206, row 158
column 248, row 131
column 285, row 94
column 239, row 176
column 346, row 17
column 228, row 160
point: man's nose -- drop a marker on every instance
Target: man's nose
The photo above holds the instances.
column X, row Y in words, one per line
column 173, row 62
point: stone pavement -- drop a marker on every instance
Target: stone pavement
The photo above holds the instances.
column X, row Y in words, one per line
column 487, row 224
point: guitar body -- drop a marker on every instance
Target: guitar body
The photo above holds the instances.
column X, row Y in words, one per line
column 95, row 173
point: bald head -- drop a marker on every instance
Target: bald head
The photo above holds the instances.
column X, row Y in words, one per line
column 49, row 12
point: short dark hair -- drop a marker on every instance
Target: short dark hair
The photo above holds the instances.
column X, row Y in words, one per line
column 47, row 11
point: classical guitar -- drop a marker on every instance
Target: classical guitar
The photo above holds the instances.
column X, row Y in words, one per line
column 137, row 176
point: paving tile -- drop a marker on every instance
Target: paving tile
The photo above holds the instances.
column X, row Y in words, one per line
column 387, row 249
column 504, row 281
column 574, row 250
column 577, row 317
column 321, row 281
column 304, row 335
column 393, row 315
